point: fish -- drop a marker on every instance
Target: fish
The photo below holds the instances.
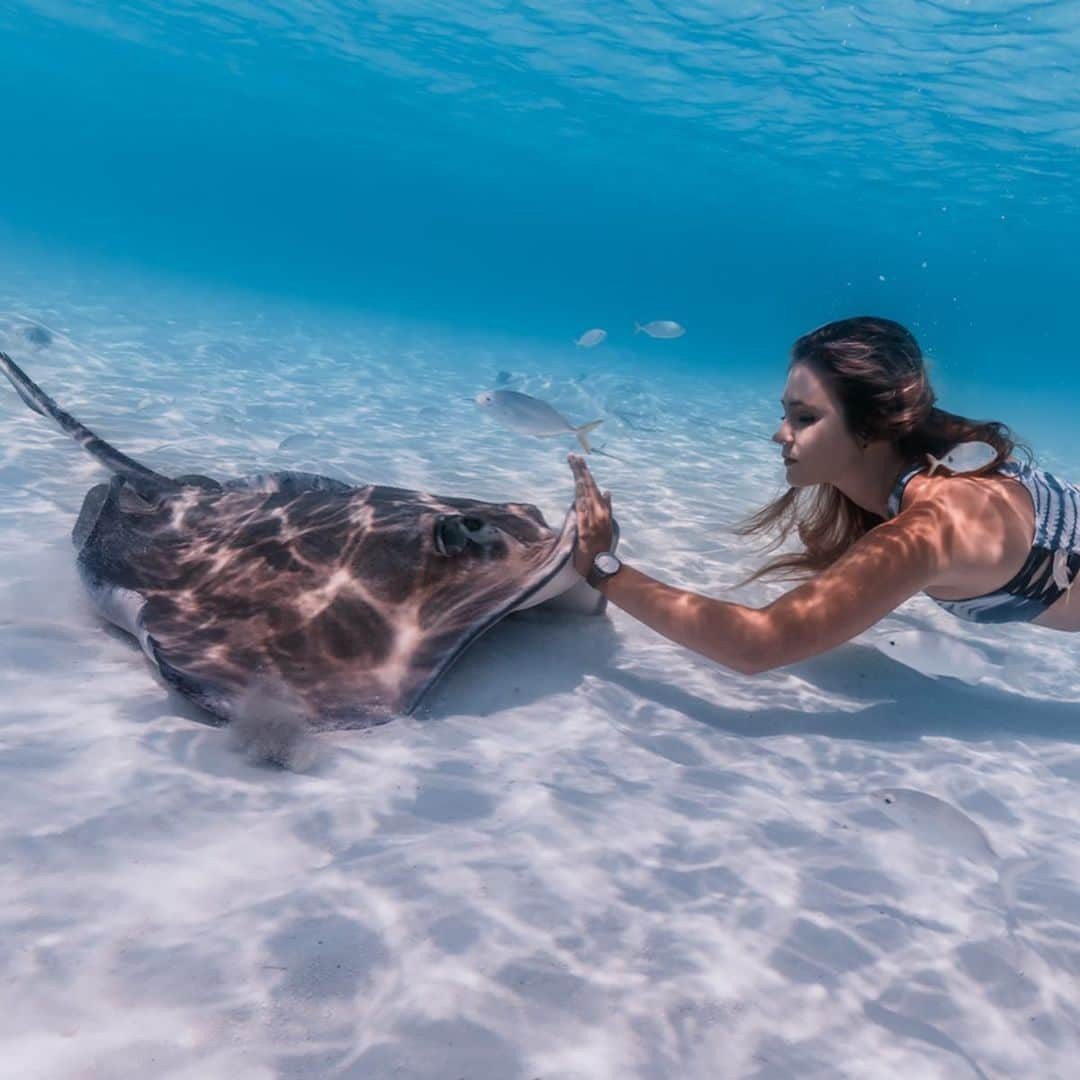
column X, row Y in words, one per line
column 1060, row 571
column 590, row 339
column 531, row 416
column 965, row 457
column 37, row 335
column 940, row 824
column 292, row 594
column 935, row 654
column 301, row 440
column 660, row 328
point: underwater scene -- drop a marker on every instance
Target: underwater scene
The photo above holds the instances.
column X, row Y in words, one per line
column 332, row 746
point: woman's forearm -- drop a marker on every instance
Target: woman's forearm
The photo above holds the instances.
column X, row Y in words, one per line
column 730, row 634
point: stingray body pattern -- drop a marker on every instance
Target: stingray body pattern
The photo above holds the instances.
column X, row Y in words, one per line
column 349, row 602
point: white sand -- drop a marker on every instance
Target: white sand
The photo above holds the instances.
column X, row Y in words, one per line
column 590, row 855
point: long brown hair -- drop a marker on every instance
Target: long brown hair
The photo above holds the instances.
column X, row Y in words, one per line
column 875, row 369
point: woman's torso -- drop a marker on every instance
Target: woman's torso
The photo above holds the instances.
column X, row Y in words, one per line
column 994, row 530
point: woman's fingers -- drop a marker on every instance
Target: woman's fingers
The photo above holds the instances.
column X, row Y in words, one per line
column 584, row 476
column 593, row 508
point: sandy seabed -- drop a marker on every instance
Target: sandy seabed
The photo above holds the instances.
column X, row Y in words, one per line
column 590, row 854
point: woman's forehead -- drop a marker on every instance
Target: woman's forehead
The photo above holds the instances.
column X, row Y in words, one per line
column 804, row 387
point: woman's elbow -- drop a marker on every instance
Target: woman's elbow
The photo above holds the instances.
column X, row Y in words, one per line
column 762, row 650
column 748, row 659
column 757, row 666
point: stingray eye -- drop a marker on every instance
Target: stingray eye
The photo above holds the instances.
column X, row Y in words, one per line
column 449, row 534
column 888, row 800
column 454, row 533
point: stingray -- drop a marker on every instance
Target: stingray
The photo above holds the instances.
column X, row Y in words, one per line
column 349, row 602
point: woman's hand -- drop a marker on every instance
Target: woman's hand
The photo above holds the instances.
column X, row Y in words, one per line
column 595, row 533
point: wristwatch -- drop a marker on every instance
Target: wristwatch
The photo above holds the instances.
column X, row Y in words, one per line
column 606, row 564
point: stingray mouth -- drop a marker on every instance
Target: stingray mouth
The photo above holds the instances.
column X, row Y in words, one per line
column 454, row 533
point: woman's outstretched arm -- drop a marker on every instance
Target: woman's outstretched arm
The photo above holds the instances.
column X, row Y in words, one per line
column 899, row 558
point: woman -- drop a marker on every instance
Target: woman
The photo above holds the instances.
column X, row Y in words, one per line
column 858, row 424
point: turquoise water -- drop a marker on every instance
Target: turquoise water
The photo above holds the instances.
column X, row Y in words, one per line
column 536, row 169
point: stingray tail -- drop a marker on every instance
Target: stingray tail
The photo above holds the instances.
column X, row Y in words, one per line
column 584, row 430
column 146, row 482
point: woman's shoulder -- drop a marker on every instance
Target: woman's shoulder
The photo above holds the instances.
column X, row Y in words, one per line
column 947, row 490
column 980, row 516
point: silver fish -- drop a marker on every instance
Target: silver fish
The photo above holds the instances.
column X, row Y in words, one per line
column 965, row 457
column 935, row 654
column 531, row 416
column 936, row 822
column 590, row 339
column 302, row 440
column 660, row 328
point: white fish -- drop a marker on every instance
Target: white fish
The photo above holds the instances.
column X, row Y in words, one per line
column 1060, row 571
column 531, row 416
column 935, row 654
column 302, row 440
column 660, row 328
column 935, row 822
column 590, row 339
column 965, row 457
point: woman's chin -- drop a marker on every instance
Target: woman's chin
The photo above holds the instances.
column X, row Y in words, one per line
column 791, row 475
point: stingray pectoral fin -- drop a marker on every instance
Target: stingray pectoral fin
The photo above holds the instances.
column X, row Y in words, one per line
column 197, row 690
column 578, row 597
column 197, row 480
column 521, row 586
column 93, row 504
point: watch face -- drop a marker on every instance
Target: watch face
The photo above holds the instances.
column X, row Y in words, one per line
column 606, row 563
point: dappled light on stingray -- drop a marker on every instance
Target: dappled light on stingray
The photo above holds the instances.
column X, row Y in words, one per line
column 350, row 601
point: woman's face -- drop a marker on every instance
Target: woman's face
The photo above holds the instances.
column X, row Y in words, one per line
column 817, row 446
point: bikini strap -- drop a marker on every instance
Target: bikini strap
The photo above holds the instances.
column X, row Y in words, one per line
column 897, row 495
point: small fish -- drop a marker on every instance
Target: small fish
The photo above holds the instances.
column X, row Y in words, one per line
column 934, row 821
column 37, row 335
column 502, row 378
column 935, row 654
column 1061, row 571
column 965, row 457
column 660, row 328
column 302, row 440
column 531, row 416
column 590, row 339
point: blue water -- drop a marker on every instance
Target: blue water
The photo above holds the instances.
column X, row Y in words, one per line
column 301, row 234
column 534, row 169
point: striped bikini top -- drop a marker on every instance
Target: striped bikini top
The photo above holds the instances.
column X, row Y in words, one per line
column 1057, row 528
